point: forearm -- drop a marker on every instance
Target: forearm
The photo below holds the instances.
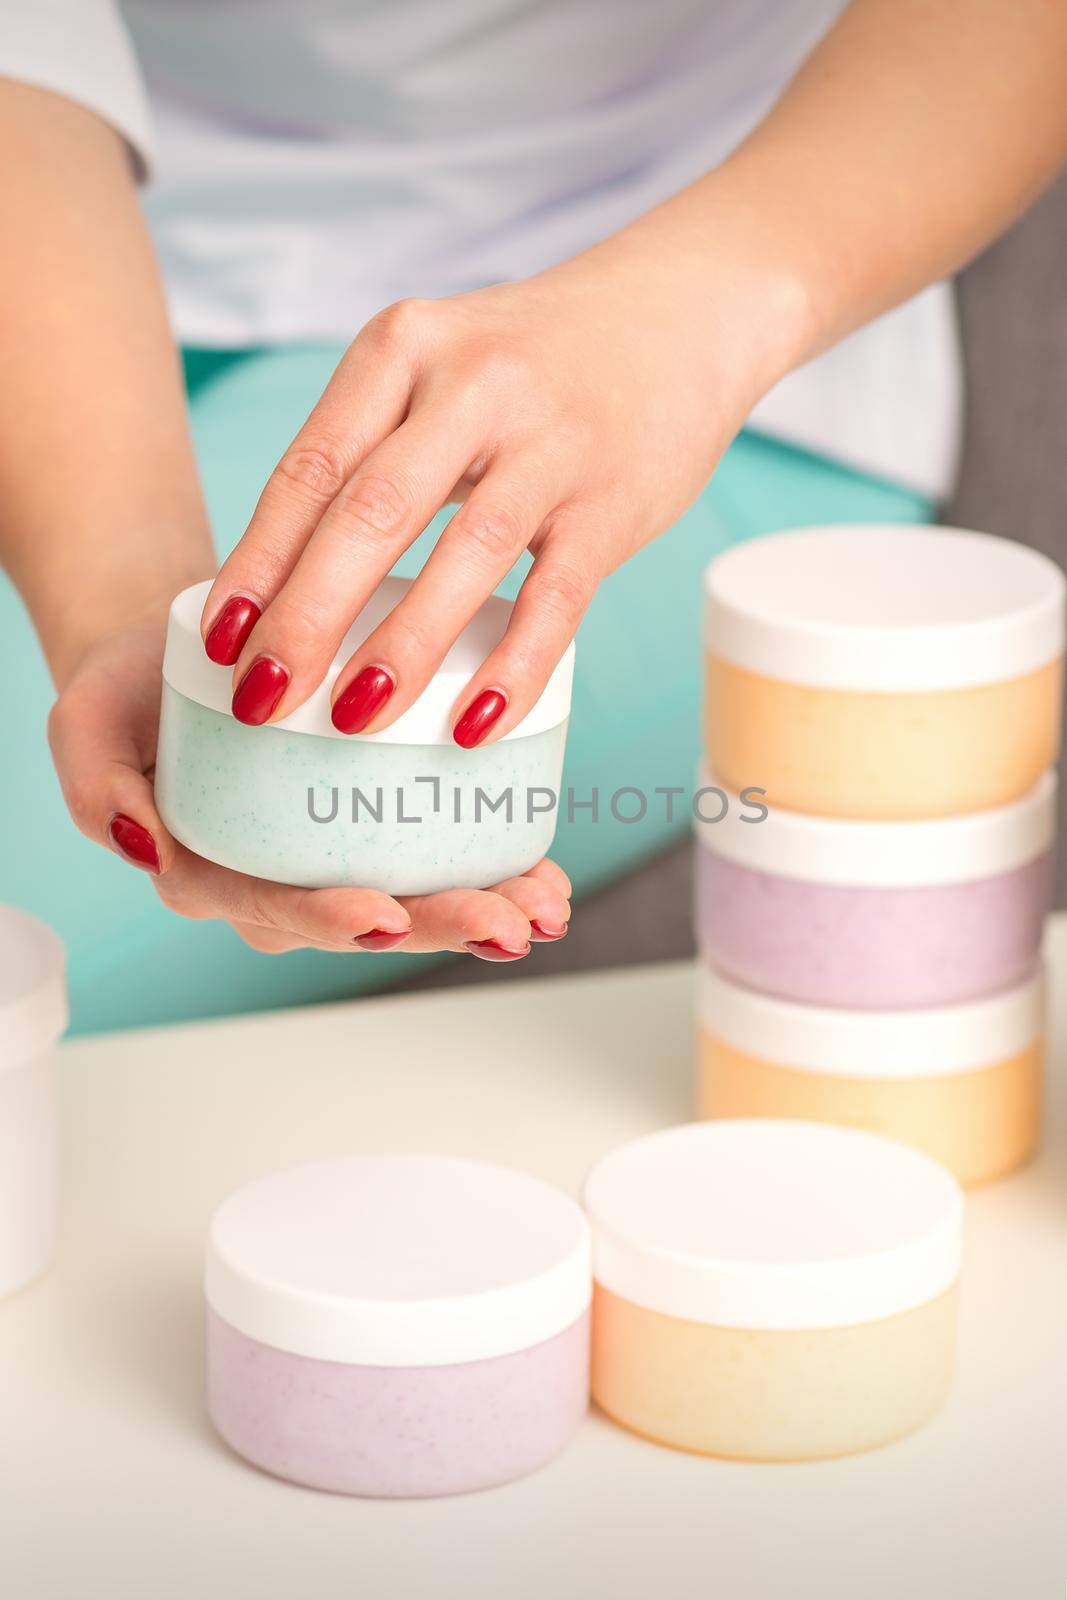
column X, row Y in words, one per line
column 915, row 133
column 101, row 517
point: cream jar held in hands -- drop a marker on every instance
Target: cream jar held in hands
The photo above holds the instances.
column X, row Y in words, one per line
column 405, row 810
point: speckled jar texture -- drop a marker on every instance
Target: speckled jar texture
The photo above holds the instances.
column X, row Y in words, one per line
column 772, row 1395
column 883, row 672
column 880, row 948
column 397, row 1432
column 772, row 1290
column 979, row 1125
column 841, row 753
column 279, row 804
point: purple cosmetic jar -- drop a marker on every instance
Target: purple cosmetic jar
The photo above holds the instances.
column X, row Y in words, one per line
column 878, row 915
column 398, row 1325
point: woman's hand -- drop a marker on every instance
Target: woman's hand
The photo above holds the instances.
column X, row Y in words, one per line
column 103, row 735
column 103, row 523
column 582, row 410
column 575, row 414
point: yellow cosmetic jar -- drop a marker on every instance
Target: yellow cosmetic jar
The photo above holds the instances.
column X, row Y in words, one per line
column 963, row 1083
column 772, row 1291
column 883, row 672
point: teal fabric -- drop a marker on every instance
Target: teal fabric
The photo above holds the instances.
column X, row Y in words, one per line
column 635, row 720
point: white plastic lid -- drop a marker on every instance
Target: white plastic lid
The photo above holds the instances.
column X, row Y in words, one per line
column 766, row 1224
column 187, row 669
column 399, row 1261
column 928, row 1043
column 885, row 607
column 33, row 987
column 830, row 850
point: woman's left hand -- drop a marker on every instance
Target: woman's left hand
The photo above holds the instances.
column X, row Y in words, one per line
column 103, row 731
column 575, row 414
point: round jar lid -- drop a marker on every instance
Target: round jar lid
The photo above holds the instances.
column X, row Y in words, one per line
column 932, row 1042
column 766, row 1224
column 188, row 669
column 882, row 607
column 399, row 1261
column 871, row 855
column 33, row 987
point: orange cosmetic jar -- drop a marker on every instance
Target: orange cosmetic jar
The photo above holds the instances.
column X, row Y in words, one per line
column 883, row 671
column 772, row 1291
column 963, row 1083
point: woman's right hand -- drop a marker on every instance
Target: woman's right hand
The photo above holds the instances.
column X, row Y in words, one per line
column 103, row 521
column 103, row 731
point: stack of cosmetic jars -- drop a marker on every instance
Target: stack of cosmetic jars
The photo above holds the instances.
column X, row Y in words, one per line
column 875, row 826
column 875, row 852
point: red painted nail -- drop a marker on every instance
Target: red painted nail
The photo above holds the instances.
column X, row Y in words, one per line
column 230, row 629
column 492, row 950
column 361, row 702
column 479, row 717
column 380, row 939
column 540, row 934
column 260, row 691
column 134, row 842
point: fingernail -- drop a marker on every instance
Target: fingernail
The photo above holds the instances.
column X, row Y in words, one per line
column 380, row 939
column 542, row 933
column 260, row 691
column 361, row 702
column 479, row 717
column 493, row 950
column 229, row 632
column 134, row 842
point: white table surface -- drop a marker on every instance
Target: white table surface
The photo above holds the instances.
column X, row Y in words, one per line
column 112, row 1483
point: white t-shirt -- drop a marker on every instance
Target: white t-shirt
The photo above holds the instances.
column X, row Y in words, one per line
column 310, row 161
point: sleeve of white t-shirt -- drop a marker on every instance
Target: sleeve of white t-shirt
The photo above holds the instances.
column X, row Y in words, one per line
column 80, row 49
